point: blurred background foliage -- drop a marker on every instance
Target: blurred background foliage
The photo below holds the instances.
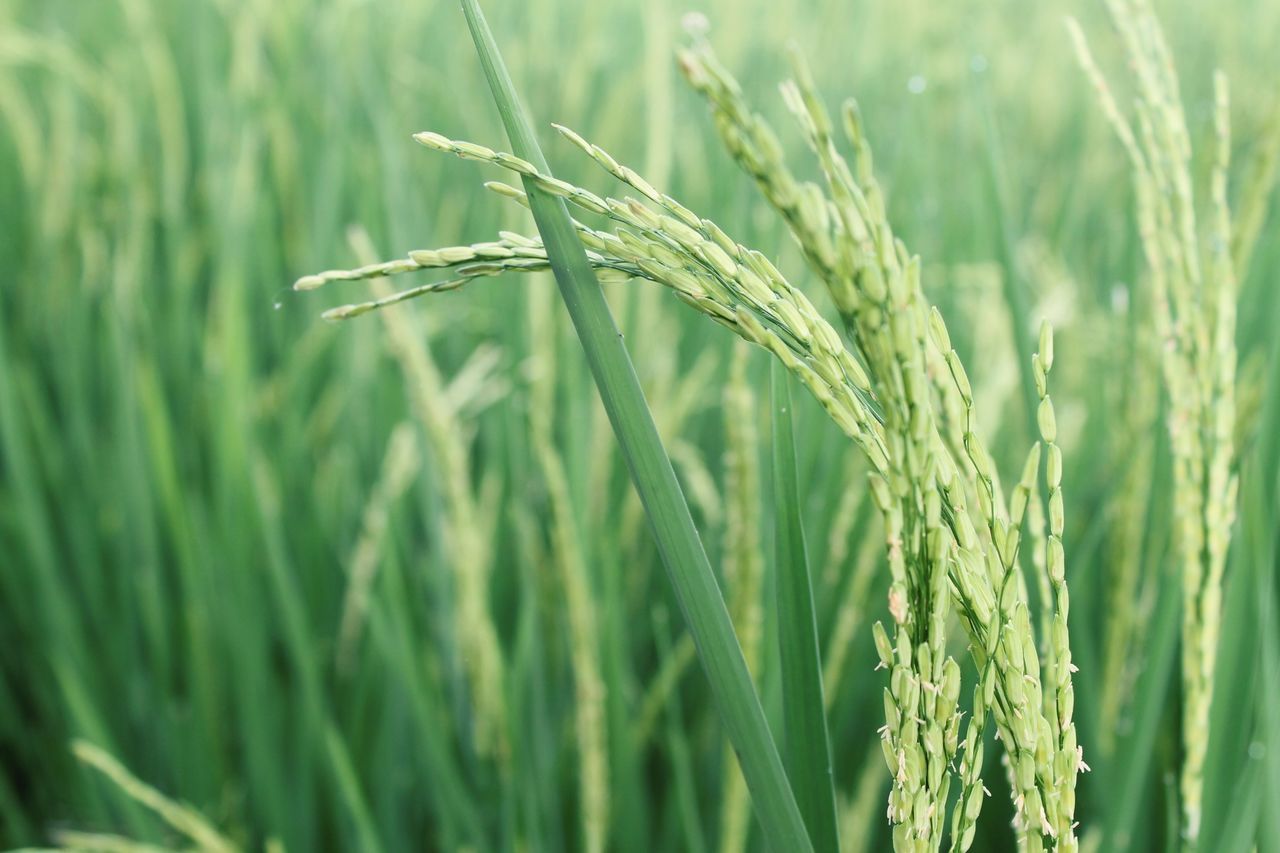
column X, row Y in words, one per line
column 194, row 469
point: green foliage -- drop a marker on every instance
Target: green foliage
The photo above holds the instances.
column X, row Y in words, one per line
column 386, row 584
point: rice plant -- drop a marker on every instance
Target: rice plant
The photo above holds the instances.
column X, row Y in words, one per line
column 1194, row 284
column 764, row 472
column 916, row 431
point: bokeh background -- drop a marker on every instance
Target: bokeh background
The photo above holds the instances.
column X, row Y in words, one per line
column 196, row 471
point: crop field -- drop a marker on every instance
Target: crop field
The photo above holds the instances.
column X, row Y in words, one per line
column 636, row 426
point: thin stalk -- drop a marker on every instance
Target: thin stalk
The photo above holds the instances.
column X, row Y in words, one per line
column 1135, row 756
column 807, row 746
column 651, row 472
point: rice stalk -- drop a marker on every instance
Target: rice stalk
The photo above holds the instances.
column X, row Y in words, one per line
column 733, row 285
column 661, row 686
column 163, row 80
column 851, row 612
column 1195, row 296
column 698, row 482
column 677, row 398
column 24, row 129
column 808, row 746
column 848, row 512
column 1059, row 699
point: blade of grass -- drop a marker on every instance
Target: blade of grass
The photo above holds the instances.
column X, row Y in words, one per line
column 807, row 747
column 1248, row 653
column 1172, row 817
column 1261, row 515
column 1134, row 757
column 1269, row 724
column 655, row 481
column 1240, row 829
column 1231, row 722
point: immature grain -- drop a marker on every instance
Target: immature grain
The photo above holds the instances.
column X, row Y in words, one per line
column 1065, row 755
column 1255, row 194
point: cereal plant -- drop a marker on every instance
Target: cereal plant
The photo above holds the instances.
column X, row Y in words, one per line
column 915, row 427
column 766, row 470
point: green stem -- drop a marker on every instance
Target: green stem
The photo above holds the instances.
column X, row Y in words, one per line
column 807, row 747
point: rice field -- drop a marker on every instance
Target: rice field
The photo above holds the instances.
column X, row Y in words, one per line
column 747, row 426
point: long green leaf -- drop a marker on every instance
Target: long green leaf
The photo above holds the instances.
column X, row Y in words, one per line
column 807, row 747
column 1245, row 804
column 1236, row 688
column 1269, row 722
column 1134, row 757
column 1247, row 677
column 655, row 481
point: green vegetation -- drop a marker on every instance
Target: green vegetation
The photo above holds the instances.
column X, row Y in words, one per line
column 397, row 582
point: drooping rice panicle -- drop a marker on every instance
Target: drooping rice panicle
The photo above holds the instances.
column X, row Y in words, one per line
column 876, row 288
column 735, row 286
